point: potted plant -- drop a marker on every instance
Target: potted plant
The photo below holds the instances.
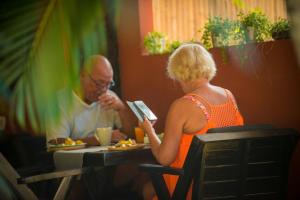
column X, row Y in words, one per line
column 280, row 29
column 256, row 25
column 155, row 42
column 217, row 32
column 171, row 46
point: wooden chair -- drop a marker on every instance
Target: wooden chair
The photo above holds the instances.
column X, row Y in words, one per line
column 246, row 127
column 233, row 165
column 185, row 174
column 19, row 184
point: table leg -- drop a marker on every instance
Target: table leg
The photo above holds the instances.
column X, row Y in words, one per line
column 99, row 182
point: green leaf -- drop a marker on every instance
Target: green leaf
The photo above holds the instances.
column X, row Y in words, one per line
column 43, row 44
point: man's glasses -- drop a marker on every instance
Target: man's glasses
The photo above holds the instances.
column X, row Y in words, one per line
column 102, row 84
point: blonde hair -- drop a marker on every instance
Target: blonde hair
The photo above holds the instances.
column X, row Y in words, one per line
column 190, row 62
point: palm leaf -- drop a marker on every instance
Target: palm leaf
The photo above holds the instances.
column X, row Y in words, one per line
column 43, row 42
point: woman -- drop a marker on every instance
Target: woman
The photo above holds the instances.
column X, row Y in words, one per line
column 204, row 106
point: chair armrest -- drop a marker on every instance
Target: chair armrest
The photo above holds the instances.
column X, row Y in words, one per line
column 246, row 127
column 51, row 175
column 244, row 135
column 153, row 168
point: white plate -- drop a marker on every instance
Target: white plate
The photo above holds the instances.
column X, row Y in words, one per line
column 66, row 147
column 137, row 146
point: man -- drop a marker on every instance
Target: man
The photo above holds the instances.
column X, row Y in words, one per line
column 88, row 107
column 93, row 105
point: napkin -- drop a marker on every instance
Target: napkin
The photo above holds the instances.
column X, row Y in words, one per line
column 72, row 159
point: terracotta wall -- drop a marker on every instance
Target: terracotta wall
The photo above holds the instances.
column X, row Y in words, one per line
column 266, row 84
column 142, row 77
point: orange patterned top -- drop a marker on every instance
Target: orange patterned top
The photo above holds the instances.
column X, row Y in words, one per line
column 221, row 115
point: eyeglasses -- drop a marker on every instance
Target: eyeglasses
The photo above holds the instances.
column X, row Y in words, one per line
column 102, row 84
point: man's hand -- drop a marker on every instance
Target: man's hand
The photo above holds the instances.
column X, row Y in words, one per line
column 91, row 141
column 117, row 136
column 108, row 101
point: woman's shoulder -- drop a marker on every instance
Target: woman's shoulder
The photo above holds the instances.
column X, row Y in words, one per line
column 178, row 103
column 220, row 90
column 225, row 92
column 185, row 104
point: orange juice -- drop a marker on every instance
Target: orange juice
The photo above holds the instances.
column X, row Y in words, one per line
column 139, row 135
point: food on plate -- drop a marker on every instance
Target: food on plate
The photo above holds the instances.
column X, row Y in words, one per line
column 125, row 143
column 78, row 142
column 66, row 144
column 69, row 141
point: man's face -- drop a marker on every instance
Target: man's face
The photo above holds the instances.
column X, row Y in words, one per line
column 97, row 82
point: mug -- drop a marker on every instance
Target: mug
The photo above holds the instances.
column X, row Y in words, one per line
column 103, row 135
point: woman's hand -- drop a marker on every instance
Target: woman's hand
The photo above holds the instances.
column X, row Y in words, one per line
column 147, row 126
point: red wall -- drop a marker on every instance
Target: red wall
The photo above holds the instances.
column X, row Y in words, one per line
column 142, row 77
column 266, row 85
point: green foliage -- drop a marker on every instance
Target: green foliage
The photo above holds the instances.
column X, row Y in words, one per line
column 155, row 42
column 173, row 45
column 218, row 29
column 280, row 29
column 42, row 45
column 258, row 21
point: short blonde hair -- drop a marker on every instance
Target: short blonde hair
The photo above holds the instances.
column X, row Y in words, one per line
column 190, row 62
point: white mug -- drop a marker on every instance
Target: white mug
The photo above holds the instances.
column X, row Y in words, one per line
column 103, row 135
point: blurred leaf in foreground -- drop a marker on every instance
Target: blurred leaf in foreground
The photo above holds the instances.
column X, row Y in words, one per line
column 43, row 43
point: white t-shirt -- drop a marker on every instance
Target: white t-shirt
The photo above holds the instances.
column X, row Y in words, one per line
column 78, row 119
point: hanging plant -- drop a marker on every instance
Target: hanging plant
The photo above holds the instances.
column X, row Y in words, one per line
column 256, row 25
column 218, row 32
column 155, row 42
column 173, row 46
column 280, row 29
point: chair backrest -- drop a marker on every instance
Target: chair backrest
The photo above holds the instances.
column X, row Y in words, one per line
column 243, row 165
column 189, row 167
column 246, row 127
column 11, row 176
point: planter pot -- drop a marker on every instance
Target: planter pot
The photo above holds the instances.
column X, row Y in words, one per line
column 216, row 41
column 250, row 34
column 281, row 35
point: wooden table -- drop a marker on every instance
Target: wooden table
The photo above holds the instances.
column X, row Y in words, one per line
column 112, row 158
column 102, row 164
